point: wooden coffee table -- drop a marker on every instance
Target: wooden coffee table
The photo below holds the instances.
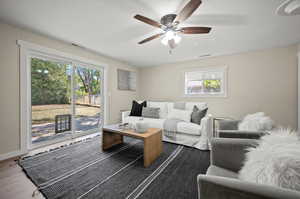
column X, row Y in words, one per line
column 113, row 135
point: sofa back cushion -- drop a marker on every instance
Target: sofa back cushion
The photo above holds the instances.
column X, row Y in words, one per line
column 184, row 115
column 189, row 105
column 200, row 105
column 163, row 108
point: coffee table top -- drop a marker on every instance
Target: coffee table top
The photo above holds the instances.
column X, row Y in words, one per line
column 131, row 132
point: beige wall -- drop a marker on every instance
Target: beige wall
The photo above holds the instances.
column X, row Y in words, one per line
column 9, row 81
column 257, row 81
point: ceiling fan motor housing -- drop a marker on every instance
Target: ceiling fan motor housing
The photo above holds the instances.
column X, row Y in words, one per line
column 168, row 19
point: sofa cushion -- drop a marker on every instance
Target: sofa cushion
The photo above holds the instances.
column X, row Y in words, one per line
column 151, row 122
column 183, row 127
column 162, row 106
column 200, row 105
column 179, row 105
column 189, row 128
column 218, row 171
column 188, row 105
column 184, row 115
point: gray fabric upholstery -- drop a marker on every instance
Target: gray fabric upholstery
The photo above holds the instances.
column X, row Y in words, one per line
column 240, row 134
column 227, row 156
column 228, row 124
column 179, row 105
column 229, row 153
column 150, row 112
column 218, row 171
column 214, row 187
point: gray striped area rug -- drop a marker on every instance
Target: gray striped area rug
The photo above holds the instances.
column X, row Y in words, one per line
column 83, row 170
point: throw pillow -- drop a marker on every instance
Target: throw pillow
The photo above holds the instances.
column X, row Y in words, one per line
column 184, row 115
column 137, row 108
column 150, row 112
column 256, row 122
column 197, row 115
column 179, row 105
column 275, row 161
column 163, row 113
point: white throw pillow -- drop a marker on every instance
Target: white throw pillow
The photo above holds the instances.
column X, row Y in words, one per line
column 184, row 115
column 256, row 122
column 275, row 161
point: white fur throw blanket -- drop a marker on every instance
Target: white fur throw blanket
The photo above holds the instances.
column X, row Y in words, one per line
column 256, row 122
column 275, row 161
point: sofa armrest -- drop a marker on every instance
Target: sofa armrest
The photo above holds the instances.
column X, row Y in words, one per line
column 124, row 115
column 206, row 129
column 240, row 134
column 230, row 153
column 214, row 187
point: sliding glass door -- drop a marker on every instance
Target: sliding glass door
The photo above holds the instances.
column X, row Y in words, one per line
column 87, row 99
column 66, row 100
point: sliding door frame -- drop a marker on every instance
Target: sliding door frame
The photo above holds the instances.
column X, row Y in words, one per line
column 29, row 50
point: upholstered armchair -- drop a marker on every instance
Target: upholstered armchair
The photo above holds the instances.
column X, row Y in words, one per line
column 228, row 128
column 221, row 180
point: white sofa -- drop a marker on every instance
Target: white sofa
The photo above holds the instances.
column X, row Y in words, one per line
column 189, row 132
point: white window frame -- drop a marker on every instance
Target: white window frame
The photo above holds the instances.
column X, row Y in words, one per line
column 222, row 69
column 29, row 50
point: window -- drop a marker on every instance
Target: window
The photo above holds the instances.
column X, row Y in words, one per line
column 205, row 82
column 126, row 80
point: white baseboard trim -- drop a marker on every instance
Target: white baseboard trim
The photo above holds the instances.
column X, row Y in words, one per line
column 11, row 155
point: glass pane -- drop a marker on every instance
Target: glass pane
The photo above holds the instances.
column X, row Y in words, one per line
column 212, row 85
column 50, row 99
column 194, row 87
column 88, row 99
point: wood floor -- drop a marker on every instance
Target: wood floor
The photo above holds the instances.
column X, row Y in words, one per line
column 14, row 183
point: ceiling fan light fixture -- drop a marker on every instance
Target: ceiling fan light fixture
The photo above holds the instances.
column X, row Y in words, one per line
column 169, row 35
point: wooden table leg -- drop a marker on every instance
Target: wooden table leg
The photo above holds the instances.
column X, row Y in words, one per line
column 110, row 139
column 152, row 148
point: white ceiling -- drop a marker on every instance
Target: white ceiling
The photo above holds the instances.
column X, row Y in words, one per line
column 108, row 27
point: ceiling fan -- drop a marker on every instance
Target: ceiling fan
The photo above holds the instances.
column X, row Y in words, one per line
column 169, row 24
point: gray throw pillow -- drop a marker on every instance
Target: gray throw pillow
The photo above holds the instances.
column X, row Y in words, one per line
column 179, row 105
column 197, row 115
column 150, row 112
column 228, row 124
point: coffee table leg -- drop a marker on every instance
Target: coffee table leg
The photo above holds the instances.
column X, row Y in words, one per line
column 152, row 148
column 110, row 139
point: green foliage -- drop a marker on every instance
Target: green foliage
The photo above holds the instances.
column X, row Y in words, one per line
column 50, row 82
column 212, row 85
column 88, row 81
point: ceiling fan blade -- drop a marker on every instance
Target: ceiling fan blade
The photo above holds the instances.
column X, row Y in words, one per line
column 195, row 30
column 148, row 21
column 187, row 11
column 151, row 38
